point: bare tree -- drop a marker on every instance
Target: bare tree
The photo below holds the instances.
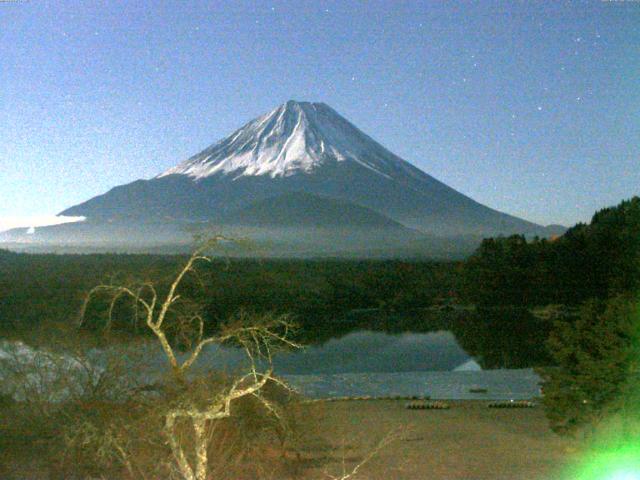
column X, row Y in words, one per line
column 259, row 339
column 196, row 405
column 354, row 472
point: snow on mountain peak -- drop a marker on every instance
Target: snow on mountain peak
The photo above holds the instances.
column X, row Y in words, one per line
column 296, row 137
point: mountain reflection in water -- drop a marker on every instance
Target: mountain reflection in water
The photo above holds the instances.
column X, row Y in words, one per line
column 367, row 351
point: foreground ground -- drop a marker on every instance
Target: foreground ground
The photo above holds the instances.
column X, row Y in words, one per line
column 469, row 441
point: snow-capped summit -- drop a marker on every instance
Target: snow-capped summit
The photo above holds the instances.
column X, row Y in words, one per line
column 296, row 137
column 286, row 176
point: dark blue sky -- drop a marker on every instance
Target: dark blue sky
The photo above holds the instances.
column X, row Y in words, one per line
column 532, row 108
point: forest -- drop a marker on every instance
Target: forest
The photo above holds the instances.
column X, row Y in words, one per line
column 501, row 303
column 45, row 288
column 595, row 260
column 566, row 306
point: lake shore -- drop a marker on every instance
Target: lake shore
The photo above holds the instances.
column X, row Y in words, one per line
column 468, row 441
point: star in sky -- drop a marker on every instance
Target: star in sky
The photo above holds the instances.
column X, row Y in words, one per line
column 410, row 69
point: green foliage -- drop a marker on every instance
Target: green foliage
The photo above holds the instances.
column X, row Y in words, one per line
column 500, row 272
column 595, row 266
column 589, row 261
column 45, row 289
column 595, row 355
column 505, row 337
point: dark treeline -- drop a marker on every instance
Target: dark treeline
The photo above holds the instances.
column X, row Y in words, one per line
column 598, row 260
column 326, row 298
column 506, row 279
column 47, row 288
column 590, row 363
column 509, row 278
column 40, row 289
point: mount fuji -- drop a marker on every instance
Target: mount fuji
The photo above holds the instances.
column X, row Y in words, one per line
column 301, row 174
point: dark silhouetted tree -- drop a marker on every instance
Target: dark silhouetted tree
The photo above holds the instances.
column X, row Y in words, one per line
column 595, row 357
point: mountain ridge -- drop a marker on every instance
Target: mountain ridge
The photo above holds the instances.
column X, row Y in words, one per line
column 294, row 137
column 303, row 146
column 301, row 208
column 344, row 176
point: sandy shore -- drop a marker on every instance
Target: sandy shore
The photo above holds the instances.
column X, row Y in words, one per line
column 468, row 441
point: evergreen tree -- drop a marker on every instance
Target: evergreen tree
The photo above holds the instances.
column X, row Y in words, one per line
column 500, row 272
column 598, row 260
column 596, row 358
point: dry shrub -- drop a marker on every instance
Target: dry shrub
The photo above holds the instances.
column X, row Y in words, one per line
column 128, row 439
column 110, row 424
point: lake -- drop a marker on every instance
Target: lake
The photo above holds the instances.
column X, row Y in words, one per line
column 361, row 352
column 371, row 363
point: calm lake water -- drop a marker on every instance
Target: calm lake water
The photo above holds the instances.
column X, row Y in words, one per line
column 368, row 363
column 362, row 352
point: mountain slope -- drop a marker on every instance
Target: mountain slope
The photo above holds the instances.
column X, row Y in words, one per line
column 300, row 147
column 297, row 137
column 304, row 209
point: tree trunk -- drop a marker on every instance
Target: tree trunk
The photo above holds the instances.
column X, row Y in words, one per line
column 202, row 461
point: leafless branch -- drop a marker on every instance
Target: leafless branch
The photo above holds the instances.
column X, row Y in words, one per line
column 258, row 340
